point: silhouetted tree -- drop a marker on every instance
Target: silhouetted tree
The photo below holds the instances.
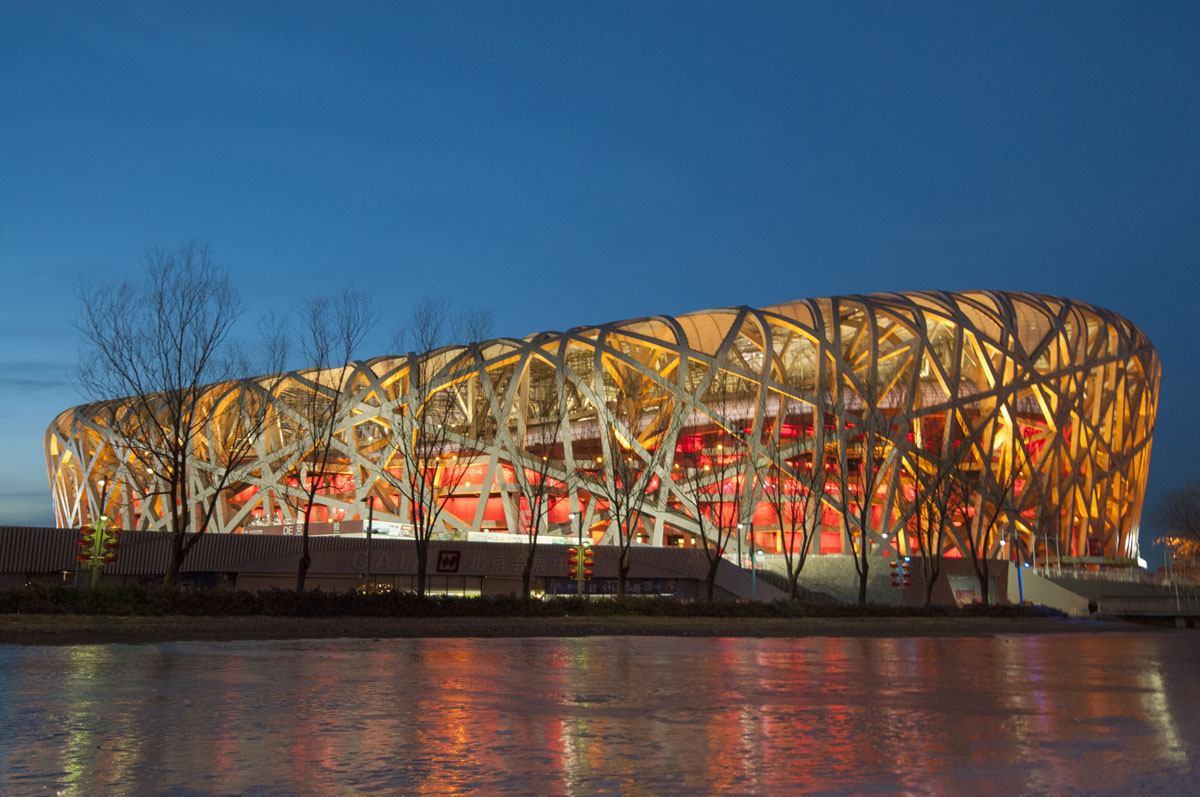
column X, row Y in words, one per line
column 189, row 416
column 794, row 476
column 429, row 453
column 988, row 482
column 637, row 442
column 332, row 329
column 1178, row 514
column 709, row 479
column 938, row 500
column 532, row 444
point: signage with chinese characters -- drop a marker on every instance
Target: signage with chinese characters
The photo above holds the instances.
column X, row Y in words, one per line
column 608, row 586
column 315, row 528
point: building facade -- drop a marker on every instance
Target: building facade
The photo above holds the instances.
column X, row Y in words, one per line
column 1018, row 424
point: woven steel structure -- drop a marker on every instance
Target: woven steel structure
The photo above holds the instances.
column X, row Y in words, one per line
column 1051, row 403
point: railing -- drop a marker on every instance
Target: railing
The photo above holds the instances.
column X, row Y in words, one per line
column 1158, row 606
column 1132, row 575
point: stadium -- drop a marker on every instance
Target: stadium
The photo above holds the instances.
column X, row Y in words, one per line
column 1038, row 410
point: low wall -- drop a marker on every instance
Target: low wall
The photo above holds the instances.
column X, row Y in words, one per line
column 260, row 562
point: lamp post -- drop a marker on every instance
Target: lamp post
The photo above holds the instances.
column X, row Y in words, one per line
column 754, row 567
column 579, row 577
column 370, row 526
column 753, row 563
column 1020, row 565
column 1012, row 557
column 1058, row 552
column 101, row 526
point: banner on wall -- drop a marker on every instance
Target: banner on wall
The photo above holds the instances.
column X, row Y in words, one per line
column 315, row 528
column 966, row 590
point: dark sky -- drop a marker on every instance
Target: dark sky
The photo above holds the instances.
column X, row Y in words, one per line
column 571, row 163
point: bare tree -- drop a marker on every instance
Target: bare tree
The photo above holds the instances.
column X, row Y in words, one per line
column 987, row 491
column 1179, row 513
column 862, row 457
column 938, row 501
column 164, row 344
column 534, row 403
column 536, row 464
column 708, row 477
column 636, row 444
column 794, row 476
column 876, row 400
column 429, row 451
column 331, row 332
column 1179, row 516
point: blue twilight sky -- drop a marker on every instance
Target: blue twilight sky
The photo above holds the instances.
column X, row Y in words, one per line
column 569, row 163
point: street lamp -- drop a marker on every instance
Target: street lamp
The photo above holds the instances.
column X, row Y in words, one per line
column 104, row 485
column 577, row 517
column 753, row 563
column 1020, row 564
column 370, row 528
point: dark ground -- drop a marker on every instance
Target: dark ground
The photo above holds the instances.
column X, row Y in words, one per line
column 97, row 629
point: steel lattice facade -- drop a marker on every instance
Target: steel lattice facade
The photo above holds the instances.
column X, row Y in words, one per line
column 1060, row 393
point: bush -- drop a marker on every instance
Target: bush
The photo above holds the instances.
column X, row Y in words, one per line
column 158, row 601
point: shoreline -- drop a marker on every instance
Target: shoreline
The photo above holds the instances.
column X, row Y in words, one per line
column 50, row 629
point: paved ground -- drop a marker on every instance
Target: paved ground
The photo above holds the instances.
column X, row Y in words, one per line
column 77, row 629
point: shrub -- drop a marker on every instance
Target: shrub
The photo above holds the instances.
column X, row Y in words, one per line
column 159, row 601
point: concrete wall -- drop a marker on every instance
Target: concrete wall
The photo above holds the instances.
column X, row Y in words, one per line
column 1045, row 592
column 835, row 576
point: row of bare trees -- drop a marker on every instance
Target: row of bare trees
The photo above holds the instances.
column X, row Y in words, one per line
column 165, row 341
column 954, row 500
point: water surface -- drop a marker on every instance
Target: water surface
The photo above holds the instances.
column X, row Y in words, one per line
column 1109, row 713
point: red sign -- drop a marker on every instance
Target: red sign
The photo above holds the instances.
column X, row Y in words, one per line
column 447, row 561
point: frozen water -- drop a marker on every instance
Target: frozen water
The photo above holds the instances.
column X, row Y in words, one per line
column 1113, row 713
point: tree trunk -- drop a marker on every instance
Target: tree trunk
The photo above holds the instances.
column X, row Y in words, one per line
column 305, row 559
column 622, row 572
column 422, row 557
column 180, row 518
column 862, row 585
column 711, row 580
column 171, row 577
column 929, row 590
column 794, row 574
column 527, row 573
column 302, row 568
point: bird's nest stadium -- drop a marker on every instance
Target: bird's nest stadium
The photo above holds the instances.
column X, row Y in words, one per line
column 1046, row 406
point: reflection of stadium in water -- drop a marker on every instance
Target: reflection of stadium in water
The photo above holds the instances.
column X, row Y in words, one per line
column 1050, row 403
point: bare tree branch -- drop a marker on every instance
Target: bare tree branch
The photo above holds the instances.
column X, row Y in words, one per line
column 333, row 328
column 150, row 355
